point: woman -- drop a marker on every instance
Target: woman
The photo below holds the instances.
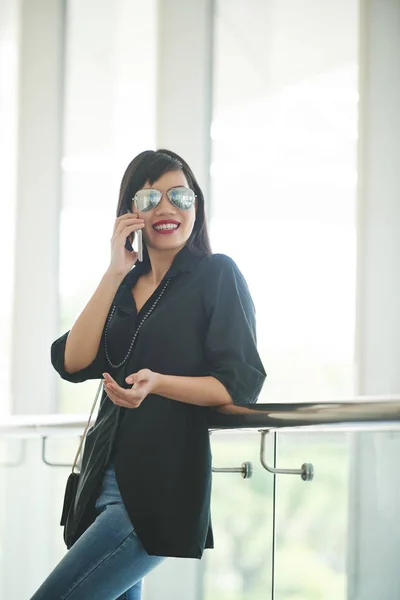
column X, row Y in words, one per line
column 172, row 337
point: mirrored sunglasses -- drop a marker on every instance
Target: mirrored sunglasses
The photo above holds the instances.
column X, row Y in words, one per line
column 181, row 197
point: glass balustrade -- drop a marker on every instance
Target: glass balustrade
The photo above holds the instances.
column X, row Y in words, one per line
column 335, row 537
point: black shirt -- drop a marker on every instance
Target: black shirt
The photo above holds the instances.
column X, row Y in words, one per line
column 203, row 324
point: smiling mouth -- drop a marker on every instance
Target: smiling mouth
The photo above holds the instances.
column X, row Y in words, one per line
column 166, row 227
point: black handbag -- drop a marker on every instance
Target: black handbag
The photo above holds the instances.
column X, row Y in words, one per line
column 71, row 487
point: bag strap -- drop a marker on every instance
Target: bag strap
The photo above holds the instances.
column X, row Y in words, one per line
column 87, row 427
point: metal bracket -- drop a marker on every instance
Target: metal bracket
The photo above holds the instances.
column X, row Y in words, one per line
column 246, row 470
column 47, row 462
column 306, row 472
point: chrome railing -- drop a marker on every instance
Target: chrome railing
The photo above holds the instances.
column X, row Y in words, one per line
column 361, row 412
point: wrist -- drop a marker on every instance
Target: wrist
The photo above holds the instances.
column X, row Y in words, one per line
column 158, row 383
column 113, row 277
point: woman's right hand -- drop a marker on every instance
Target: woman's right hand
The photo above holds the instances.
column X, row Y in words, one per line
column 122, row 260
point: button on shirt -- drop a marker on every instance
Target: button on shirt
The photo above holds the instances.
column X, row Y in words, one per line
column 203, row 325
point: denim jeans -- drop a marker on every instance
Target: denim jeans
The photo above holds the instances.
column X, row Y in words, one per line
column 108, row 561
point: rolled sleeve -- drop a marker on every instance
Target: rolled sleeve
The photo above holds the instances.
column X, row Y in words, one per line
column 230, row 344
column 93, row 371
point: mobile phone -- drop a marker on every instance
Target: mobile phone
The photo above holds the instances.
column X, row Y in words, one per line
column 138, row 244
column 134, row 243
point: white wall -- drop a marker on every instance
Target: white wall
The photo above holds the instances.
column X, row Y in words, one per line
column 40, row 72
column 374, row 543
column 9, row 50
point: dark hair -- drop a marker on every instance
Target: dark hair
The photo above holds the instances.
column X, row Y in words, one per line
column 149, row 166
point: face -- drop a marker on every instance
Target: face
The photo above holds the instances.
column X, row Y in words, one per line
column 158, row 231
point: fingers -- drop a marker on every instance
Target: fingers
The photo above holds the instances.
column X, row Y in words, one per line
column 126, row 227
column 142, row 375
column 121, row 399
column 108, row 379
column 121, row 396
column 122, row 257
column 118, row 401
column 125, row 217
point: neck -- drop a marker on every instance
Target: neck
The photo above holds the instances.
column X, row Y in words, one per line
column 160, row 261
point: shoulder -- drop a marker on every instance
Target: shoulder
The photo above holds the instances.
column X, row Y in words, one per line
column 220, row 276
column 224, row 291
column 218, row 264
column 221, row 260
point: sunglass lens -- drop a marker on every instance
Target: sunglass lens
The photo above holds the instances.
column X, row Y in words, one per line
column 147, row 199
column 183, row 198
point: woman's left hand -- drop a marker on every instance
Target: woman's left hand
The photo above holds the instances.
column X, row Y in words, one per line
column 143, row 382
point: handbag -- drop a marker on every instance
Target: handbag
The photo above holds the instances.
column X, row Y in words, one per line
column 71, row 487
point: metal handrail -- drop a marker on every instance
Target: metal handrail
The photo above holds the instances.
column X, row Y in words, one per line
column 358, row 412
column 376, row 412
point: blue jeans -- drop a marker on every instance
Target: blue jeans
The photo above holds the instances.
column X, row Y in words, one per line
column 108, row 561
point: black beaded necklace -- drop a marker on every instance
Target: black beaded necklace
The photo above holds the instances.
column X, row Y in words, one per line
column 145, row 317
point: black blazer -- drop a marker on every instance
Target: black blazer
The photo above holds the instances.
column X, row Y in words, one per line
column 204, row 324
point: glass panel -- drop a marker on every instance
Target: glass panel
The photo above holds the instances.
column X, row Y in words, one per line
column 239, row 567
column 312, row 517
column 374, row 531
column 31, row 495
column 337, row 536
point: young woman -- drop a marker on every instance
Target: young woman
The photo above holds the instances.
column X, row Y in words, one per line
column 171, row 338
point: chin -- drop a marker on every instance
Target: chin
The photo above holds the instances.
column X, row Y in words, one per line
column 167, row 244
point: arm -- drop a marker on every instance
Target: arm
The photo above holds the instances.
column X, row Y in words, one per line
column 203, row 391
column 200, row 391
column 230, row 344
column 82, row 343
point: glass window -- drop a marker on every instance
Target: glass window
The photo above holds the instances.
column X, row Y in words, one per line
column 284, row 182
column 109, row 117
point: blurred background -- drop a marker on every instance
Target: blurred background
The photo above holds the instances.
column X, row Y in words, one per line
column 287, row 111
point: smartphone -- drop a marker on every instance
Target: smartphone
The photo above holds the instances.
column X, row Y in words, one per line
column 134, row 242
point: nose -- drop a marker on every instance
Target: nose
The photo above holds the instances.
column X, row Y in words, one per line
column 165, row 206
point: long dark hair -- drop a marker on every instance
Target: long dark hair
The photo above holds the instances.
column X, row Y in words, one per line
column 149, row 166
